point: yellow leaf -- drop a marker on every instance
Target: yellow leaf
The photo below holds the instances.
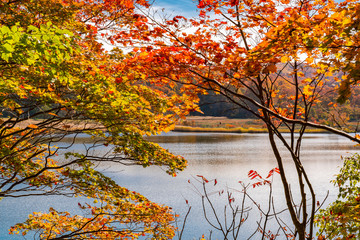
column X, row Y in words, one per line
column 144, row 54
column 328, row 74
column 309, row 60
column 284, row 59
column 32, row 126
column 346, row 21
column 308, row 90
column 236, row 75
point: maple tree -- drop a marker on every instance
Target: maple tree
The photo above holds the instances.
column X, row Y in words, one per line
column 58, row 81
column 230, row 220
column 276, row 59
column 340, row 42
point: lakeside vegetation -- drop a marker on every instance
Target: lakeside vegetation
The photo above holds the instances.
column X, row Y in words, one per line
column 190, row 124
column 229, row 125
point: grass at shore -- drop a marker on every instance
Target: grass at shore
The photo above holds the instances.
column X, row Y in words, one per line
column 220, row 130
column 235, row 130
column 190, row 124
column 226, row 125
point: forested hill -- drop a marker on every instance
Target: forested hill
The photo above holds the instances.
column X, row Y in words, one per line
column 329, row 111
column 219, row 106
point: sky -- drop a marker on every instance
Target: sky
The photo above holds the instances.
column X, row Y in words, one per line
column 185, row 8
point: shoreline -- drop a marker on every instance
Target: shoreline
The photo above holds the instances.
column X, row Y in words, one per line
column 191, row 124
column 180, row 128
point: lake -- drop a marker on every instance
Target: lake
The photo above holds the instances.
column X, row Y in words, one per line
column 225, row 157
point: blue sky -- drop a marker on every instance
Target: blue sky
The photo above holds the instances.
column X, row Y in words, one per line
column 185, row 8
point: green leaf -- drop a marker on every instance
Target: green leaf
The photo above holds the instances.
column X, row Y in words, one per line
column 14, row 29
column 4, row 30
column 8, row 47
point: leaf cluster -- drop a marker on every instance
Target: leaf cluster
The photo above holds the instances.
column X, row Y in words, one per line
column 58, row 84
column 340, row 220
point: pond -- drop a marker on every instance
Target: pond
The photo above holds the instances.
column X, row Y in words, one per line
column 225, row 157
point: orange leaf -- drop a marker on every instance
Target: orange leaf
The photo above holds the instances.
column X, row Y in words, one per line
column 53, row 114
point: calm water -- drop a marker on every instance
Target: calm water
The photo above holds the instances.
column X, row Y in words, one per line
column 226, row 157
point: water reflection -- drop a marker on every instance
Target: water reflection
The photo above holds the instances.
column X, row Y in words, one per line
column 195, row 137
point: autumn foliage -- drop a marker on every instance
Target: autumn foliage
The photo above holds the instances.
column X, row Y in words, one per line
column 278, row 59
column 58, row 81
